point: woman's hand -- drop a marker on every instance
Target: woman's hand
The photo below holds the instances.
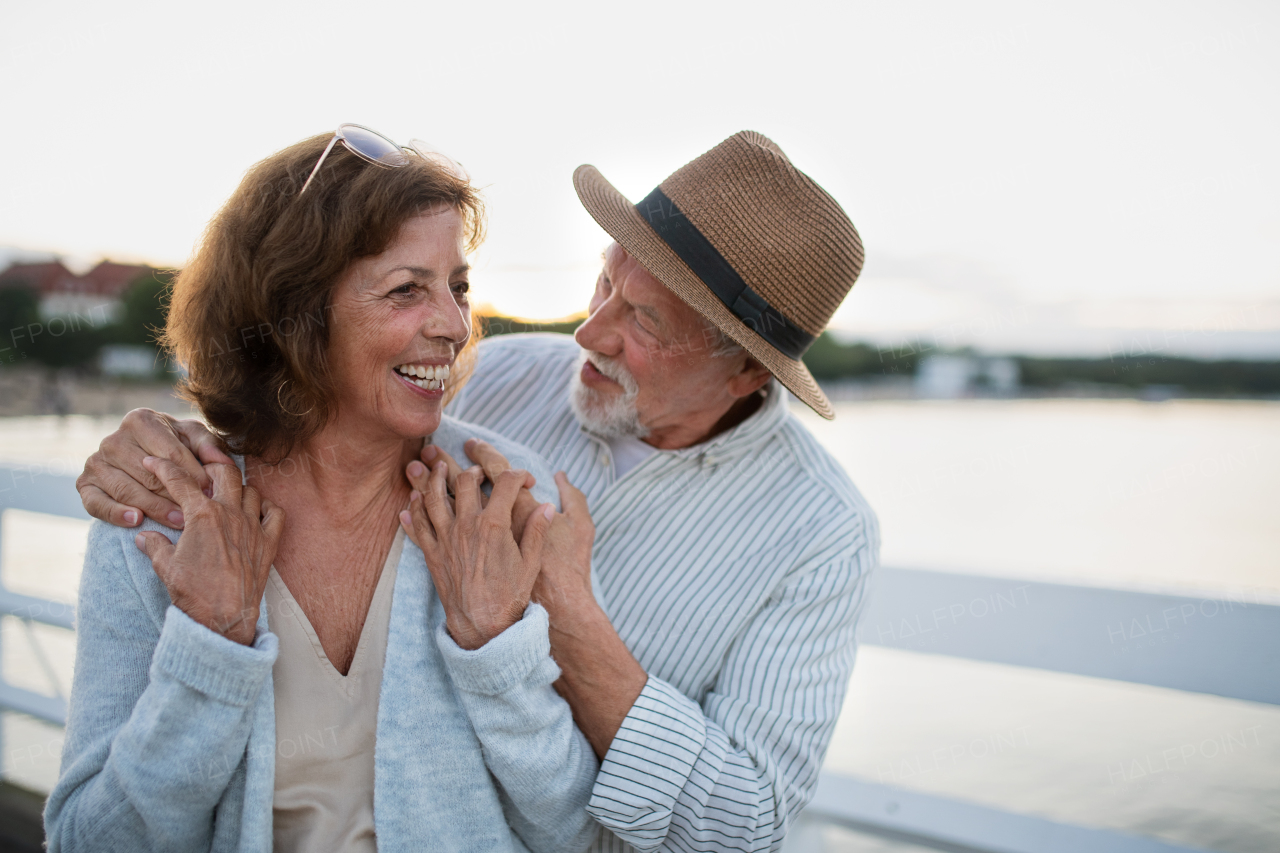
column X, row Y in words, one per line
column 488, row 458
column 564, row 583
column 483, row 578
column 218, row 570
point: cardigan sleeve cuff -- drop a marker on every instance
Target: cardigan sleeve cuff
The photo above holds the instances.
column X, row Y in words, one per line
column 648, row 764
column 222, row 669
column 504, row 662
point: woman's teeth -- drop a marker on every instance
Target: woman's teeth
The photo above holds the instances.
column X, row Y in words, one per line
column 428, row 377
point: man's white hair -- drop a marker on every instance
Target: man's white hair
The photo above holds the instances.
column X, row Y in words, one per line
column 724, row 346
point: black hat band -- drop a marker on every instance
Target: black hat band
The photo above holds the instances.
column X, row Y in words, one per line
column 675, row 229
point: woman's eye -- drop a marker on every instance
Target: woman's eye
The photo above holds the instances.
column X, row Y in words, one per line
column 403, row 290
column 462, row 288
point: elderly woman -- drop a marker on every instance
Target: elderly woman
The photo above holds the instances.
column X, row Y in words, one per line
column 290, row 672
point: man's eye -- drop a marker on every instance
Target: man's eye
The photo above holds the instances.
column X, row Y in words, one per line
column 462, row 288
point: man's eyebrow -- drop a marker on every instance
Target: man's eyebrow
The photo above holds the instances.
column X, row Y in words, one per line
column 652, row 313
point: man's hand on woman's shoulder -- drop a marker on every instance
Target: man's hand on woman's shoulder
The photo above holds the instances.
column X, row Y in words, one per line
column 118, row 489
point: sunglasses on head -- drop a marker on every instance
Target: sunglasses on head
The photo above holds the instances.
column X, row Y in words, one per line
column 379, row 150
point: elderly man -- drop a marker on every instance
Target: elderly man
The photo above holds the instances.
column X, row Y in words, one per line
column 732, row 551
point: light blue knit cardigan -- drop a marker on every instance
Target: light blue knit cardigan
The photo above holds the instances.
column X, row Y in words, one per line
column 171, row 740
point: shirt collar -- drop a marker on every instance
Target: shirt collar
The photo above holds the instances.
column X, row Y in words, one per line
column 746, row 436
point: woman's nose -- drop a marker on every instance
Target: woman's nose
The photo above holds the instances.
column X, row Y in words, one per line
column 449, row 320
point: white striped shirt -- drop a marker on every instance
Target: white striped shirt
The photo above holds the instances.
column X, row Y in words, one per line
column 734, row 571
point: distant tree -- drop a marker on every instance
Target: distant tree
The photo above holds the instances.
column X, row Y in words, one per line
column 146, row 305
column 497, row 324
column 827, row 358
column 68, row 342
column 19, row 317
column 1215, row 378
column 75, row 340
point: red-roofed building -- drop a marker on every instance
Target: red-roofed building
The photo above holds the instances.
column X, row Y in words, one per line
column 111, row 279
column 42, row 278
column 94, row 295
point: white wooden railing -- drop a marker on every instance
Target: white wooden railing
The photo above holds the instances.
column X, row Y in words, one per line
column 1056, row 627
column 32, row 488
column 1204, row 645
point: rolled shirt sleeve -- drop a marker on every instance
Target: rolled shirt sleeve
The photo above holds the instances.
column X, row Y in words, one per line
column 733, row 771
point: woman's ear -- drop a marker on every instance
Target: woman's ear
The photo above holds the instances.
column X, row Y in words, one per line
column 751, row 378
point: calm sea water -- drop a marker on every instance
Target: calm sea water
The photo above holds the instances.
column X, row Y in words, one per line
column 1176, row 495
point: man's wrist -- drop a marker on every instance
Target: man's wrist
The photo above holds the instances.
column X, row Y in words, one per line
column 576, row 619
column 568, row 599
column 599, row 677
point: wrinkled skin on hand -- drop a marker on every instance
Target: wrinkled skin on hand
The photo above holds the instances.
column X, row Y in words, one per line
column 218, row 570
column 483, row 576
column 564, row 578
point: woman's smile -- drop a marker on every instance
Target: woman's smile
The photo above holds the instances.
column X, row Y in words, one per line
column 426, row 379
column 400, row 320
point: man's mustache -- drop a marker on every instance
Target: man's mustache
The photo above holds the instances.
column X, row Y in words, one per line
column 613, row 369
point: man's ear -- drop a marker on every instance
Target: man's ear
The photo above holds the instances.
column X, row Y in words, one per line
column 751, row 378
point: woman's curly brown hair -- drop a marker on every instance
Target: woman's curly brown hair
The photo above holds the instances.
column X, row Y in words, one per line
column 248, row 317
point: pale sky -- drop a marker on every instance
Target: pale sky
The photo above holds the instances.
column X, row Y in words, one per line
column 1058, row 177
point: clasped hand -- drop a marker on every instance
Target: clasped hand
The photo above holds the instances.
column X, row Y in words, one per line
column 484, row 579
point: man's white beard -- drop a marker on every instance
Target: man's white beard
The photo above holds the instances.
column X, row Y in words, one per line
column 609, row 416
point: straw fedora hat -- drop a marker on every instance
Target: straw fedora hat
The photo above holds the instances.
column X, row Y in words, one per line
column 749, row 242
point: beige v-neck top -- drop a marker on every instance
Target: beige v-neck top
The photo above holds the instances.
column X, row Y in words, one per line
column 326, row 725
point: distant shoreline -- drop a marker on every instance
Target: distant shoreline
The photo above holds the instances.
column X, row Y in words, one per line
column 904, row 388
column 26, row 392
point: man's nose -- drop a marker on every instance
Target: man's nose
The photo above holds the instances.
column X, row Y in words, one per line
column 600, row 332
